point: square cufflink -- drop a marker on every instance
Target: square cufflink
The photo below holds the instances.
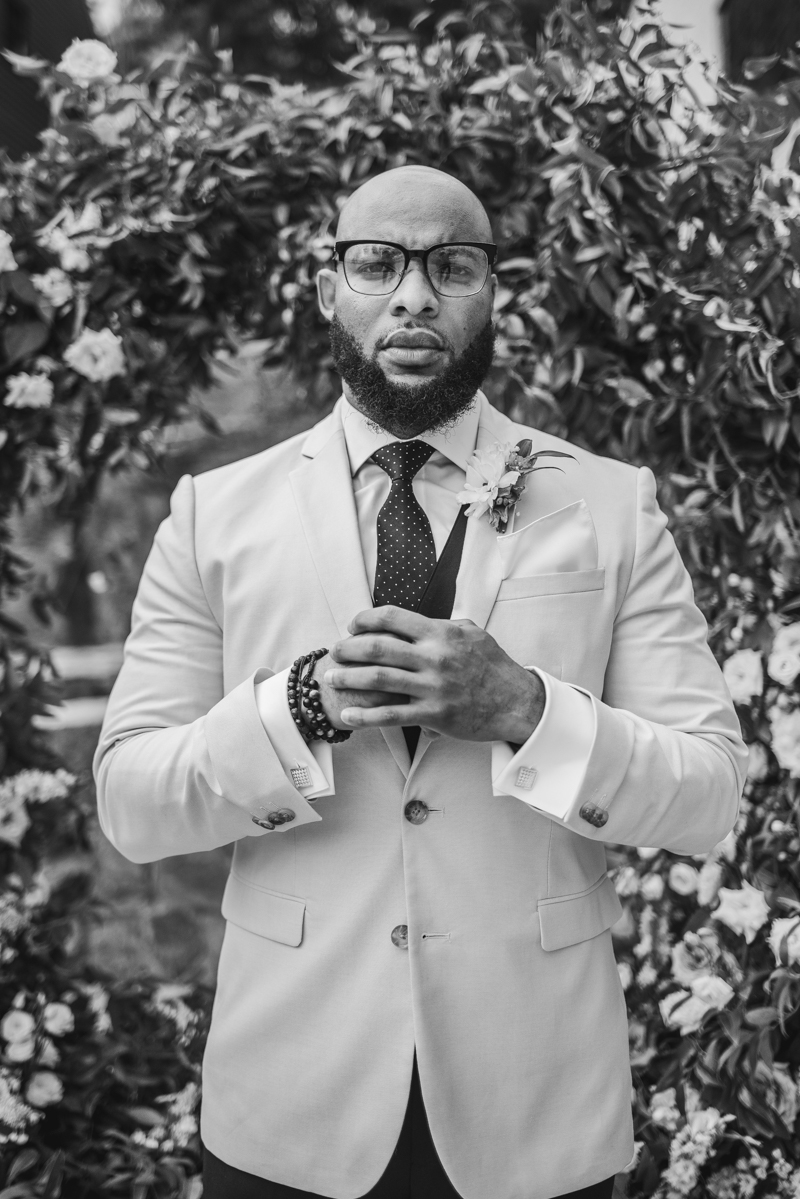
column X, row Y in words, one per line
column 526, row 777
column 300, row 776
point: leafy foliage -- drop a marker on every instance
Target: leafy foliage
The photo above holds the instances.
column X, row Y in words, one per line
column 648, row 308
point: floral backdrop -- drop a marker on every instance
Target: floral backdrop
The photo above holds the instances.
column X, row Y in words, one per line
column 649, row 308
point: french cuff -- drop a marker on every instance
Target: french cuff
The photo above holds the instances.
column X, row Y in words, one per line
column 548, row 770
column 309, row 768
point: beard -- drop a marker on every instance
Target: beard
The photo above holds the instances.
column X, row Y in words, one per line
column 406, row 410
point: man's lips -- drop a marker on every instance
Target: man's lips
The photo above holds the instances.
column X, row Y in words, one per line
column 413, row 347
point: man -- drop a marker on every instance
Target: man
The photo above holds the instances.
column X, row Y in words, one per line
column 417, row 992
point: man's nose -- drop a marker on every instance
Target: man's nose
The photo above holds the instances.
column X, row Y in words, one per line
column 415, row 294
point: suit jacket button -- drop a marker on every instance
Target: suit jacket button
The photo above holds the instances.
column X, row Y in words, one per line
column 416, row 812
column 592, row 814
column 400, row 936
column 282, row 816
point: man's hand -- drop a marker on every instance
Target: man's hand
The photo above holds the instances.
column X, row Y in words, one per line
column 334, row 699
column 454, row 678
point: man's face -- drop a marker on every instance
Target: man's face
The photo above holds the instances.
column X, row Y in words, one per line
column 413, row 359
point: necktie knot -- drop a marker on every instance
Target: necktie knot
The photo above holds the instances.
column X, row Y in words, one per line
column 403, row 459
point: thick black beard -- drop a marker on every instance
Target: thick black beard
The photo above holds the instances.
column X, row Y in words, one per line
column 432, row 406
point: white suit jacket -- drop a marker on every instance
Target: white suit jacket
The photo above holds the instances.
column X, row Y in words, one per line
column 508, row 987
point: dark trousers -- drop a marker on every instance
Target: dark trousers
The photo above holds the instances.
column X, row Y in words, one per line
column 414, row 1171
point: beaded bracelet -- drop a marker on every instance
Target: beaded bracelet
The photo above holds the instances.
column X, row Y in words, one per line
column 314, row 726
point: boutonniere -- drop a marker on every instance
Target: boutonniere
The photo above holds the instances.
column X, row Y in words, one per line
column 496, row 478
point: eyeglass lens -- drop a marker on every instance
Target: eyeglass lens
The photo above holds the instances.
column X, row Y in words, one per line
column 376, row 269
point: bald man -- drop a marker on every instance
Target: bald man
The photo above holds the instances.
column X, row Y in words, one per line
column 420, row 730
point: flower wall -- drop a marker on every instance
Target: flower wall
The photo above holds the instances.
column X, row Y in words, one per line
column 649, row 308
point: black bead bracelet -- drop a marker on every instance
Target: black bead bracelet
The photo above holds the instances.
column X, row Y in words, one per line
column 305, row 704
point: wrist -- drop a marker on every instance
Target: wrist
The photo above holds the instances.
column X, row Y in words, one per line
column 521, row 719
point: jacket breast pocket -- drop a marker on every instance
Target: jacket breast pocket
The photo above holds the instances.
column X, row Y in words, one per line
column 266, row 913
column 569, row 919
column 561, row 583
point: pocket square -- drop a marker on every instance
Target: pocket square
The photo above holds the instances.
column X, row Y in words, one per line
column 561, row 541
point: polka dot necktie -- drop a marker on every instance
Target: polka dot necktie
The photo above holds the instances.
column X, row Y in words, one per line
column 406, row 552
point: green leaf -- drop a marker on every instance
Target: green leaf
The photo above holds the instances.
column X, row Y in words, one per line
column 24, row 339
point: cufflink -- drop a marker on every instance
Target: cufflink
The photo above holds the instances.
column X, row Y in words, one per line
column 300, row 776
column 592, row 814
column 262, row 822
column 526, row 777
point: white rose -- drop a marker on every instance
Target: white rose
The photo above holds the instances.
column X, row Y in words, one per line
column 625, row 974
column 183, row 1130
column 783, row 664
column 784, row 940
column 683, row 1011
column 743, row 910
column 664, row 1110
column 627, row 881
column 21, row 1051
column 708, row 882
column 712, row 990
column 44, row 1089
column 17, row 1026
column 758, row 762
column 645, row 852
column 28, row 391
column 55, row 285
column 683, row 878
column 7, row 260
column 58, row 1019
column 97, row 356
column 694, row 955
column 652, row 887
column 108, row 126
column 71, row 257
column 744, row 675
column 87, row 61
column 786, row 739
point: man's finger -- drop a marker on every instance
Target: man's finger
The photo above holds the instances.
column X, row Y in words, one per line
column 389, row 619
column 379, row 718
column 378, row 648
column 373, row 678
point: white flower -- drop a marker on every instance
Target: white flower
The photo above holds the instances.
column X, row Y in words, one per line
column 664, row 1110
column 712, row 990
column 694, row 955
column 682, row 878
column 758, row 763
column 58, row 1019
column 486, row 474
column 13, row 1112
column 44, row 1089
column 71, row 256
column 14, row 822
column 785, row 728
column 87, row 61
column 784, row 940
column 17, row 1026
column 7, row 260
column 625, row 974
column 21, row 1051
column 183, row 1130
column 683, row 1011
column 108, row 126
column 55, row 285
column 726, row 848
column 708, row 882
column 28, row 391
column 783, row 664
column 647, row 852
column 743, row 910
column 647, row 976
column 744, row 675
column 96, row 355
column 652, row 887
column 627, row 881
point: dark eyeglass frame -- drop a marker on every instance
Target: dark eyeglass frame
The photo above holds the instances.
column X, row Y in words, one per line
column 490, row 249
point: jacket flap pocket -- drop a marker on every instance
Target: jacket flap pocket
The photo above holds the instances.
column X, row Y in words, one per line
column 552, row 584
column 568, row 919
column 265, row 913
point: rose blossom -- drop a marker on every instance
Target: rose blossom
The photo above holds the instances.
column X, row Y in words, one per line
column 652, row 887
column 17, row 1026
column 744, row 675
column 694, row 955
column 87, row 61
column 71, row 256
column 486, row 475
column 664, row 1110
column 21, row 1051
column 786, row 739
column 7, row 260
column 783, row 664
column 758, row 762
column 627, row 882
column 55, row 285
column 96, row 355
column 743, row 910
column 712, row 990
column 682, row 878
column 787, row 927
column 28, row 391
column 708, row 882
column 58, row 1019
column 683, row 1011
column 44, row 1089
column 625, row 974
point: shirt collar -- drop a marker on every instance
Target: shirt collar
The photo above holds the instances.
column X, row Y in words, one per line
column 457, row 443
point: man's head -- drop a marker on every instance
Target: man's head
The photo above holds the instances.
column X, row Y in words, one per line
column 413, row 359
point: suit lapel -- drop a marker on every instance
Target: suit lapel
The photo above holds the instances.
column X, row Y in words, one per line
column 323, row 493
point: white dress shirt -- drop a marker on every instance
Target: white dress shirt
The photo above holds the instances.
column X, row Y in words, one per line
column 547, row 770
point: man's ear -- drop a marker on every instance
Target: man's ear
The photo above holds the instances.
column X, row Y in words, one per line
column 494, row 288
column 326, row 292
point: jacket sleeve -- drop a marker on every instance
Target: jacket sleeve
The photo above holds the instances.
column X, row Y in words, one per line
column 181, row 766
column 666, row 764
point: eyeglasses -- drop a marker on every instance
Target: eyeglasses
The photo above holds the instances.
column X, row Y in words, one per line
column 377, row 268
